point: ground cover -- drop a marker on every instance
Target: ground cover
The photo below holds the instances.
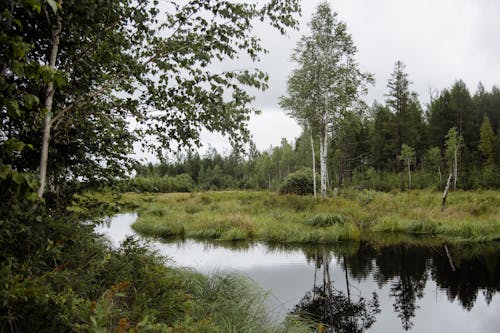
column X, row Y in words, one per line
column 269, row 217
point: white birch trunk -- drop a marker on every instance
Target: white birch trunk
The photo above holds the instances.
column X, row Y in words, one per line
column 455, row 170
column 409, row 175
column 313, row 162
column 323, row 159
column 49, row 98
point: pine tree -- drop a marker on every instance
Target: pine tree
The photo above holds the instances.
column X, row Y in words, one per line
column 406, row 108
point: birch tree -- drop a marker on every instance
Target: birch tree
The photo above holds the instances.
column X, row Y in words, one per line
column 408, row 156
column 92, row 66
column 454, row 144
column 327, row 82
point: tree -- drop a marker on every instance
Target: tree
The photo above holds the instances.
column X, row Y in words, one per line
column 487, row 143
column 108, row 61
column 384, row 147
column 327, row 83
column 454, row 144
column 434, row 160
column 405, row 106
column 408, row 156
column 454, row 108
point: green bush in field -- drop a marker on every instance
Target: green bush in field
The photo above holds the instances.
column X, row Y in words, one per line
column 325, row 220
column 299, row 182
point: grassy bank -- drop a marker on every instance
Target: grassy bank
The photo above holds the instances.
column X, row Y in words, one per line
column 57, row 275
column 264, row 216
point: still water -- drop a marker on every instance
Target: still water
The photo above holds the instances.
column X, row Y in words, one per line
column 358, row 287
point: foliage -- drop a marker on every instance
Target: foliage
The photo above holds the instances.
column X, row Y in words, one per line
column 299, row 182
column 405, row 107
column 55, row 271
column 327, row 83
column 488, row 140
column 80, row 73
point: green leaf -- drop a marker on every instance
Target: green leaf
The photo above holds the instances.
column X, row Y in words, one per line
column 18, row 178
column 5, row 170
column 13, row 145
column 53, row 5
column 30, row 100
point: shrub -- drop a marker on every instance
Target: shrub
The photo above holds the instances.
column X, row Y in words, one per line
column 299, row 182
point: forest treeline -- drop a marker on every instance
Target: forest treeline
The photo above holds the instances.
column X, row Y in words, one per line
column 366, row 150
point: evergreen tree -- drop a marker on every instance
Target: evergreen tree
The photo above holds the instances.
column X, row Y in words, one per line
column 384, row 147
column 488, row 141
column 406, row 108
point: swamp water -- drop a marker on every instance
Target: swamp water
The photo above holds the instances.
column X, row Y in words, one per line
column 360, row 287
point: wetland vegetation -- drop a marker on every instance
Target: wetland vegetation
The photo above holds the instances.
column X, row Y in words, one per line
column 83, row 83
column 270, row 217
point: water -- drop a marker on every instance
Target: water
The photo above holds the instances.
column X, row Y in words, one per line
column 386, row 289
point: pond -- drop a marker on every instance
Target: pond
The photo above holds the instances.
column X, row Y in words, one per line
column 359, row 286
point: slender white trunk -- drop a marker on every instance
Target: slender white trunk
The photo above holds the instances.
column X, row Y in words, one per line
column 49, row 98
column 409, row 175
column 455, row 170
column 446, row 189
column 323, row 145
column 313, row 161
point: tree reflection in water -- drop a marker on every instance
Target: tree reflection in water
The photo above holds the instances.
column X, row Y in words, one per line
column 333, row 309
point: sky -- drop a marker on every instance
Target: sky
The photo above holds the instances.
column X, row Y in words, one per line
column 439, row 41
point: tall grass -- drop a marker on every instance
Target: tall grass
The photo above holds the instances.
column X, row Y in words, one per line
column 265, row 216
column 231, row 303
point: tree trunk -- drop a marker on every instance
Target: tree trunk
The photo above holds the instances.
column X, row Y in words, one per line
column 455, row 170
column 347, row 279
column 446, row 189
column 313, row 162
column 49, row 98
column 440, row 176
column 450, row 259
column 409, row 175
column 323, row 153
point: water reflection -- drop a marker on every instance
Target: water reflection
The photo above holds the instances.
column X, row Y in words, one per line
column 332, row 309
column 377, row 286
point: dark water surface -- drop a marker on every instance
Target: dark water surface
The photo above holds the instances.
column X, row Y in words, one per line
column 359, row 286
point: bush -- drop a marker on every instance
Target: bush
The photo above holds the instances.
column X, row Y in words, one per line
column 299, row 182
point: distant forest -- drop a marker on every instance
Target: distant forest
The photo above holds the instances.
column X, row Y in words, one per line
column 366, row 148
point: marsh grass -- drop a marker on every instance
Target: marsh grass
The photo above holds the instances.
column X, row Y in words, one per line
column 265, row 216
column 232, row 303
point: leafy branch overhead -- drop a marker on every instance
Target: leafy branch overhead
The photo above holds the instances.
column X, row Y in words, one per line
column 117, row 60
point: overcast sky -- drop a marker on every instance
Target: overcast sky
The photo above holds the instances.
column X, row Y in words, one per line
column 440, row 41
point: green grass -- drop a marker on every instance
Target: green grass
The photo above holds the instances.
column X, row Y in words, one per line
column 273, row 218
